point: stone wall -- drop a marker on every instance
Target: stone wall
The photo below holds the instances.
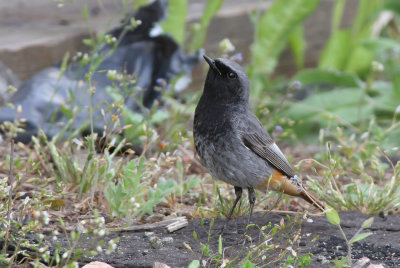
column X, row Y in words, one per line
column 36, row 34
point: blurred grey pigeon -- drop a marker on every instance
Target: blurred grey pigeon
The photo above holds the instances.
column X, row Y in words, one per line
column 45, row 97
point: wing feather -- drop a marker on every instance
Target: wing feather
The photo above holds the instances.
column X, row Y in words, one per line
column 256, row 138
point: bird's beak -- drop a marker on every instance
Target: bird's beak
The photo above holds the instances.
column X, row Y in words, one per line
column 211, row 62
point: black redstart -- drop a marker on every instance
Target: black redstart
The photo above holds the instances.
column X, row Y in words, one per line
column 231, row 141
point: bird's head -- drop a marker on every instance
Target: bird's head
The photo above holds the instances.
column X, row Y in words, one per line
column 226, row 81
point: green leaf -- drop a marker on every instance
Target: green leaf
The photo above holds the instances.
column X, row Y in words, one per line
column 85, row 12
column 317, row 76
column 298, row 45
column 396, row 85
column 248, row 264
column 71, row 265
column 363, row 19
column 393, row 5
column 359, row 60
column 359, row 237
column 337, row 15
column 195, row 235
column 342, row 263
column 190, row 183
column 337, row 103
column 332, row 216
column 89, row 42
column 159, row 116
column 194, row 264
column 379, row 44
column 209, row 12
column 220, row 245
column 367, row 223
column 157, row 196
column 176, row 21
column 66, row 111
column 336, row 52
column 386, row 98
column 273, row 30
column 64, row 64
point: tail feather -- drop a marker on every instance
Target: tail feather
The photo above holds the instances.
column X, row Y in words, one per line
column 279, row 182
column 312, row 200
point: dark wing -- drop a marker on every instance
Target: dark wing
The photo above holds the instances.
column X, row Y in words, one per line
column 256, row 138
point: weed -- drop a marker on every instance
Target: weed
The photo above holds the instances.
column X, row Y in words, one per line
column 358, row 116
column 358, row 174
column 274, row 244
column 334, row 219
column 271, row 36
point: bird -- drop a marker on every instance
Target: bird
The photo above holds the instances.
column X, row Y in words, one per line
column 233, row 144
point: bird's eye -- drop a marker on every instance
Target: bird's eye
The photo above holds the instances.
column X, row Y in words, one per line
column 232, row 75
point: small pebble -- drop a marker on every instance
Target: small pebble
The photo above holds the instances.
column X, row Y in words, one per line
column 155, row 242
column 325, row 261
column 153, row 238
column 362, row 263
column 148, row 234
column 167, row 240
column 160, row 265
column 321, row 259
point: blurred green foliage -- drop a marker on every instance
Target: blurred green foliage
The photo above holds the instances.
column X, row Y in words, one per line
column 357, row 77
column 348, row 105
column 176, row 21
column 350, row 102
column 273, row 29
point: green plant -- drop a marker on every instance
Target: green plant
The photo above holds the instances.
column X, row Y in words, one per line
column 206, row 251
column 69, row 168
column 30, row 215
column 67, row 248
column 334, row 219
column 137, row 127
column 200, row 30
column 14, row 217
column 275, row 242
column 131, row 194
column 224, row 205
column 185, row 183
column 358, row 173
column 176, row 21
column 302, row 261
column 357, row 76
column 248, row 264
column 350, row 103
column 344, row 50
column 275, row 245
column 272, row 31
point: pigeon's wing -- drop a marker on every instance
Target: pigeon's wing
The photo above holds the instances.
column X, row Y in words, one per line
column 256, row 138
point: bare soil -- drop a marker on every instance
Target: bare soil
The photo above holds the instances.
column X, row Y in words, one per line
column 315, row 235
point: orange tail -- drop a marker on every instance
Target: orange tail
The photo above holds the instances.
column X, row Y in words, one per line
column 281, row 183
column 312, row 200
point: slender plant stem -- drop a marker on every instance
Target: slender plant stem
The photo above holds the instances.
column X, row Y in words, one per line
column 348, row 245
column 10, row 200
column 366, row 89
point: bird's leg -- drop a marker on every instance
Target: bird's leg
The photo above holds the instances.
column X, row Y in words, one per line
column 238, row 193
column 252, row 200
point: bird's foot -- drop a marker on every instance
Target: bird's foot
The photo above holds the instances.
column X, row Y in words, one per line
column 297, row 180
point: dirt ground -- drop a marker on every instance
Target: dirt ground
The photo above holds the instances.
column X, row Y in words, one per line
column 296, row 235
column 315, row 235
